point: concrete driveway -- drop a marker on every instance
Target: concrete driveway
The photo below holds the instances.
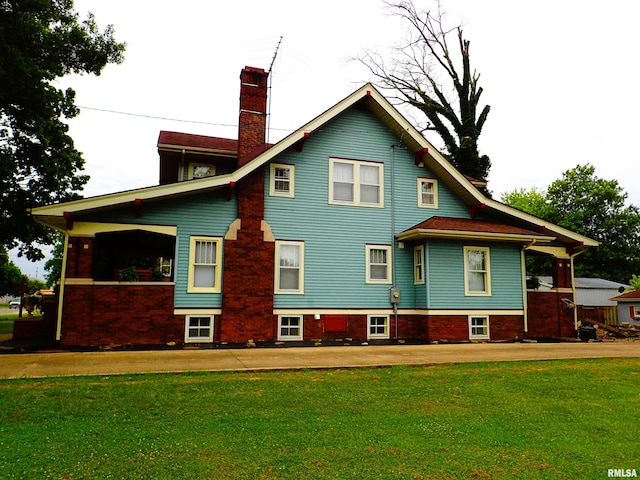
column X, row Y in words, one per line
column 246, row 359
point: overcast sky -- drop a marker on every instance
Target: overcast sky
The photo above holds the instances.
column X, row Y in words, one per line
column 559, row 76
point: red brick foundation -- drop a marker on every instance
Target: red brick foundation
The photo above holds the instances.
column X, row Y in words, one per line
column 95, row 315
column 416, row 327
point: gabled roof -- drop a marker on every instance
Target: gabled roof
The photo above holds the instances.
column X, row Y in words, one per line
column 366, row 96
column 447, row 227
column 632, row 296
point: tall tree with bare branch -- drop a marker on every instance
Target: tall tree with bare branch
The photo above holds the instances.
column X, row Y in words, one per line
column 428, row 73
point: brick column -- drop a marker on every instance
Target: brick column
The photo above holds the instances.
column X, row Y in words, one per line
column 561, row 273
column 79, row 257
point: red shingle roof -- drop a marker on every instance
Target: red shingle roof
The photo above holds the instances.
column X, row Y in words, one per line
column 629, row 296
column 197, row 141
column 470, row 225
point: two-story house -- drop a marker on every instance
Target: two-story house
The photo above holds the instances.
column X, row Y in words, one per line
column 353, row 226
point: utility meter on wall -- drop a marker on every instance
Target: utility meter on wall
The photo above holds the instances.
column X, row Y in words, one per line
column 394, row 295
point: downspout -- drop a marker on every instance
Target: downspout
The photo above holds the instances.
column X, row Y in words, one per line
column 63, row 276
column 393, row 238
column 525, row 300
column 573, row 288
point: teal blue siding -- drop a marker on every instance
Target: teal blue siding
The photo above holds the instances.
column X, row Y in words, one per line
column 208, row 214
column 336, row 236
column 446, row 276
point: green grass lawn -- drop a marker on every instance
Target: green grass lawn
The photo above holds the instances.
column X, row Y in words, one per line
column 531, row 420
column 6, row 325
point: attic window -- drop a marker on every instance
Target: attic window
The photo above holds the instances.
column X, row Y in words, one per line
column 427, row 193
column 201, row 170
column 281, row 180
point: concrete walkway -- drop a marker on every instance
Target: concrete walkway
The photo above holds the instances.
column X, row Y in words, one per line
column 35, row 365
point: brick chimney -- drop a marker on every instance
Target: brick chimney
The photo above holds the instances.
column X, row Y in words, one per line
column 249, row 247
column 253, row 111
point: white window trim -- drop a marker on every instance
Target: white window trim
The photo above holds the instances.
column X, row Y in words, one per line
column 356, row 183
column 368, row 249
column 435, row 193
column 373, row 336
column 192, row 166
column 418, row 250
column 472, row 293
column 486, row 336
column 300, row 290
column 290, row 337
column 208, row 338
column 272, row 180
column 191, row 288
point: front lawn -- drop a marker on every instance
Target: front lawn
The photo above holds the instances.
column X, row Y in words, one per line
column 534, row 420
column 6, row 325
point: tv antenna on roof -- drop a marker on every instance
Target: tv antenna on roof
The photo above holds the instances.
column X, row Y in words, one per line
column 275, row 54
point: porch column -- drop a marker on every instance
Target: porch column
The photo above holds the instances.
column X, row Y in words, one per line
column 80, row 257
column 561, row 272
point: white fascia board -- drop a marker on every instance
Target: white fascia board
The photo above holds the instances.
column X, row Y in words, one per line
column 119, row 198
column 467, row 235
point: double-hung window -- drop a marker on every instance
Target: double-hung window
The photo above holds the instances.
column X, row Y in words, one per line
column 478, row 328
column 281, row 180
column 205, row 257
column 354, row 182
column 427, row 193
column 378, row 263
column 290, row 327
column 289, row 267
column 378, row 326
column 418, row 264
column 477, row 271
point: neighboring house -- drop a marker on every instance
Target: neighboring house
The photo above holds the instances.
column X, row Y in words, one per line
column 593, row 297
column 353, row 226
column 628, row 307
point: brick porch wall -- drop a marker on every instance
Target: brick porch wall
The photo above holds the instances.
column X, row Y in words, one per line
column 95, row 315
column 547, row 317
column 43, row 327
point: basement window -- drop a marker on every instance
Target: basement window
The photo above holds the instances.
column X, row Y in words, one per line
column 378, row 326
column 198, row 328
column 478, row 328
column 290, row 327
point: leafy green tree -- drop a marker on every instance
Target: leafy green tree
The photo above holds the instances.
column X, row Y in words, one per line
column 634, row 282
column 10, row 274
column 41, row 41
column 531, row 201
column 53, row 266
column 32, row 285
column 596, row 208
column 431, row 71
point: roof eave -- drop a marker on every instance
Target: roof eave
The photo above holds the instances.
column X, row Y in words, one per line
column 422, row 233
column 562, row 234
